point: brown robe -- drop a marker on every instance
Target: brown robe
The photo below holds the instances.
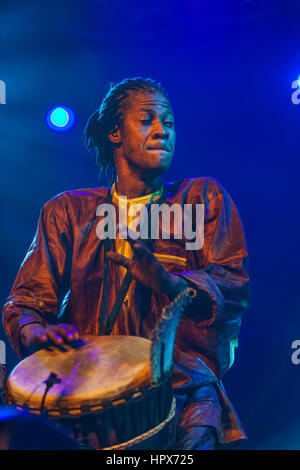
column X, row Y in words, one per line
column 60, row 280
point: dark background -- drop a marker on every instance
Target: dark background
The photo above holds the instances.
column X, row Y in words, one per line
column 228, row 67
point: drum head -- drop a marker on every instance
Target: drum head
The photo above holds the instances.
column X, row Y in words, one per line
column 103, row 369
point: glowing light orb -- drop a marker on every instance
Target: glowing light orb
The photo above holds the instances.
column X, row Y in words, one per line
column 60, row 118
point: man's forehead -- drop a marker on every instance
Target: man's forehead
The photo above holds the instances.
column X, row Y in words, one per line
column 147, row 100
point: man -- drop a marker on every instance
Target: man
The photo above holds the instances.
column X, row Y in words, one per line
column 133, row 138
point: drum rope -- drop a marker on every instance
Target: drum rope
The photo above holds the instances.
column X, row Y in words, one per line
column 147, row 434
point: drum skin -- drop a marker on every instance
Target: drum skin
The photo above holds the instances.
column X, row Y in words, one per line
column 103, row 369
column 105, row 396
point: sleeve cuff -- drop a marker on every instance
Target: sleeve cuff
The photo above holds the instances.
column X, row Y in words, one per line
column 209, row 300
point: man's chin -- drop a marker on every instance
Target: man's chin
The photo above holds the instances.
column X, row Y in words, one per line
column 161, row 164
column 153, row 167
column 159, row 168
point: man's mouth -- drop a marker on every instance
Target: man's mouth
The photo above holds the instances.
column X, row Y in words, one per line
column 158, row 147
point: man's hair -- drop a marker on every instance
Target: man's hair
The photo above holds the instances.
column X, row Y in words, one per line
column 108, row 116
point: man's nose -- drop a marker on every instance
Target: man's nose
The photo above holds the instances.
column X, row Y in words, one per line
column 160, row 131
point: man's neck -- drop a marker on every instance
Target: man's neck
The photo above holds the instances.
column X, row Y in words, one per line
column 133, row 188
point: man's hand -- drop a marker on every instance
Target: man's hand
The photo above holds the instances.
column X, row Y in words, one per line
column 35, row 336
column 147, row 270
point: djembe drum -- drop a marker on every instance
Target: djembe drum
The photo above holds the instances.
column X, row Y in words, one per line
column 112, row 392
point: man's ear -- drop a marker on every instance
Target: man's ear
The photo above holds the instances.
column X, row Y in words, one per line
column 115, row 135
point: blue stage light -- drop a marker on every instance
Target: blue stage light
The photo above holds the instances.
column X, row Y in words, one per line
column 60, row 118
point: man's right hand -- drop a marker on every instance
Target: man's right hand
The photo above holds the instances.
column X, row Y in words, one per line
column 35, row 336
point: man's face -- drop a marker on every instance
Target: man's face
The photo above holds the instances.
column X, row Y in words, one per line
column 147, row 132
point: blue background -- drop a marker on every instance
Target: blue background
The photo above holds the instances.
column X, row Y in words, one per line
column 228, row 68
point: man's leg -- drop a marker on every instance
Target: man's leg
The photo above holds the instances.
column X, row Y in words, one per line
column 196, row 438
column 198, row 419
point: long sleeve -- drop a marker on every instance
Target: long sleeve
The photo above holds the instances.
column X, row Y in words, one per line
column 221, row 278
column 42, row 277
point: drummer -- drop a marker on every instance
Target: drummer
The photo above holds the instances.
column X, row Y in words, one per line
column 132, row 135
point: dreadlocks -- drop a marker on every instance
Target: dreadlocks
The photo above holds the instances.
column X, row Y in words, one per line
column 108, row 117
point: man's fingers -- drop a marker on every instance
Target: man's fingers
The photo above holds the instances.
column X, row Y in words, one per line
column 54, row 337
column 32, row 335
column 67, row 332
column 43, row 337
column 73, row 330
column 118, row 259
column 141, row 251
column 36, row 340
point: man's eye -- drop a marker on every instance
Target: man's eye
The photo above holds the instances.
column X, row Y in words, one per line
column 169, row 123
column 146, row 121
